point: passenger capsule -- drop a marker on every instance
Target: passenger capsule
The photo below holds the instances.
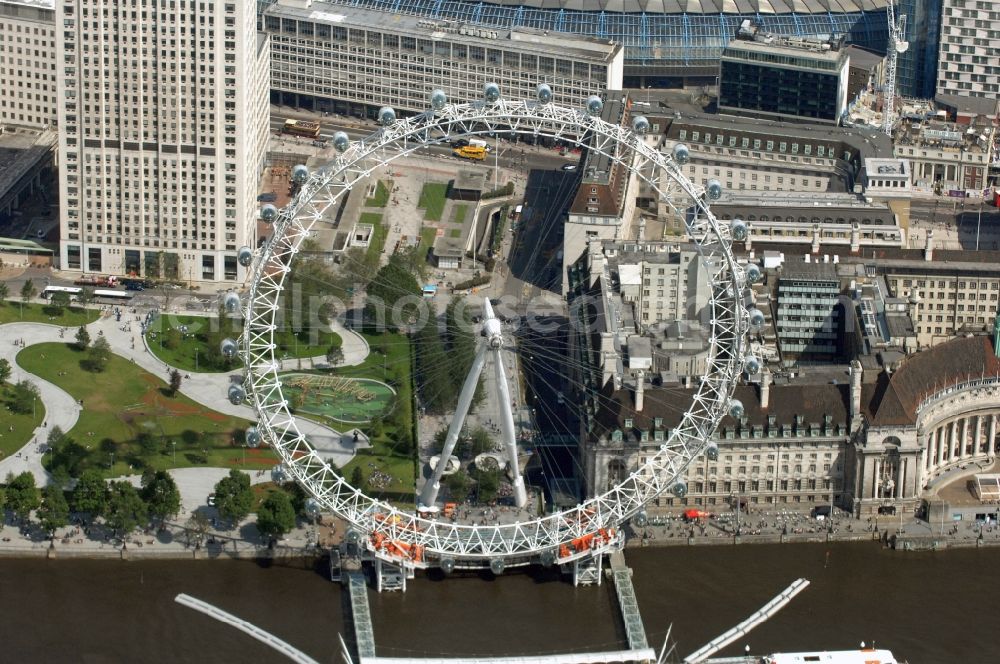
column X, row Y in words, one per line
column 312, row 506
column 712, row 452
column 594, row 105
column 640, row 519
column 640, row 125
column 714, row 190
column 386, row 116
column 228, row 348
column 244, row 256
column 447, row 565
column 236, row 395
column 738, row 229
column 682, row 154
column 491, row 92
column 231, row 302
column 438, row 99
column 756, row 318
column 548, row 558
column 497, row 566
column 544, row 93
column 341, row 141
column 753, row 273
column 268, row 213
column 751, row 365
column 253, row 437
column 279, row 474
column 680, row 489
column 736, row 409
column 300, row 173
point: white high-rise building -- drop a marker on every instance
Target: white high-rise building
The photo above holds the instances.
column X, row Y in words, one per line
column 27, row 63
column 162, row 135
column 969, row 60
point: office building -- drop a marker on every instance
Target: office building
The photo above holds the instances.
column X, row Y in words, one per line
column 763, row 75
column 808, row 320
column 28, row 63
column 162, row 139
column 667, row 44
column 916, row 69
column 945, row 156
column 354, row 61
column 969, row 58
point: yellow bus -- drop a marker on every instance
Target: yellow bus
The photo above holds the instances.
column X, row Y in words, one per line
column 470, row 152
column 306, row 128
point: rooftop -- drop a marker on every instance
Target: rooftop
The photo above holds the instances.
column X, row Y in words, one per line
column 770, row 48
column 894, row 398
column 814, row 271
column 41, row 4
column 528, row 39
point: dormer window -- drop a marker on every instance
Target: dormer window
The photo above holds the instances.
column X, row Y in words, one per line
column 616, row 435
column 658, row 422
column 628, row 422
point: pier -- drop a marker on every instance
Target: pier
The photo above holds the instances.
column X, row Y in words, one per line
column 622, row 576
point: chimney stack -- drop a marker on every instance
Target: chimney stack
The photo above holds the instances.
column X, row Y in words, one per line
column 856, row 374
column 639, row 388
column 928, row 248
column 765, row 388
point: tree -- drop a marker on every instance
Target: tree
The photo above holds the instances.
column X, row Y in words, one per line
column 4, row 370
column 334, row 355
column 198, row 524
column 22, row 495
column 85, row 296
column 60, row 300
column 54, row 512
column 4, row 292
column 82, row 338
column 458, row 485
column 90, row 494
column 481, row 441
column 276, row 515
column 28, row 290
column 487, row 482
column 385, row 302
column 358, row 478
column 175, row 382
column 438, row 388
column 461, row 345
column 125, row 509
column 99, row 355
column 161, row 495
column 233, row 496
column 23, row 397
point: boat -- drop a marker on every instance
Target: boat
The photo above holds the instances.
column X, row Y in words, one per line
column 859, row 656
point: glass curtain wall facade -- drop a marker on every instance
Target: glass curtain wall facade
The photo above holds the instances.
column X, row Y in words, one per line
column 916, row 72
column 661, row 48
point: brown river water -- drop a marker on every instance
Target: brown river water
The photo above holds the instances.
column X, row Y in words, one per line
column 926, row 607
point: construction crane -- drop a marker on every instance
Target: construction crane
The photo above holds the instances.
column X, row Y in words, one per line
column 897, row 45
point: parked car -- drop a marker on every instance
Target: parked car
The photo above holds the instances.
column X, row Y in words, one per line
column 267, row 198
column 569, row 167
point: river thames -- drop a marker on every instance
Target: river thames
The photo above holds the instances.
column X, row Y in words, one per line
column 925, row 607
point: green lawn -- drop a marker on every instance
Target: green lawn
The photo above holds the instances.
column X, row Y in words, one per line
column 390, row 362
column 432, row 198
column 23, row 425
column 12, row 311
column 455, row 232
column 193, row 345
column 459, row 213
column 381, row 197
column 379, row 232
column 129, row 421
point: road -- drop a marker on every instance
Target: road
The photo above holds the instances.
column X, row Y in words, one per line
column 957, row 224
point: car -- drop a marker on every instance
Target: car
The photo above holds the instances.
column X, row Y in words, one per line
column 569, row 167
column 211, row 499
column 319, row 144
column 267, row 198
column 460, row 143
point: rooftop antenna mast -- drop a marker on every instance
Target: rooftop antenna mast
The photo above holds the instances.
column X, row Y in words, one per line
column 897, row 45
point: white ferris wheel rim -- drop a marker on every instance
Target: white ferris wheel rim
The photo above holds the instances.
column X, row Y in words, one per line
column 549, row 537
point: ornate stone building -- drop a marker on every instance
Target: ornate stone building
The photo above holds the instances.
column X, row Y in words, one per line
column 875, row 440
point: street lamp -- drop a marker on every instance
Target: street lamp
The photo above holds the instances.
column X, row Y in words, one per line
column 173, row 444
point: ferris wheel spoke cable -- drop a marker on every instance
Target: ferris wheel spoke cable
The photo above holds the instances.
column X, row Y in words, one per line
column 545, row 535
